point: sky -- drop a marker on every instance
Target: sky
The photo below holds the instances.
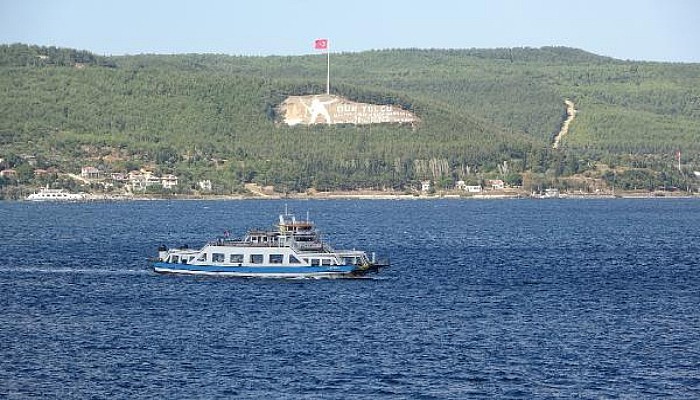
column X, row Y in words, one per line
column 661, row 30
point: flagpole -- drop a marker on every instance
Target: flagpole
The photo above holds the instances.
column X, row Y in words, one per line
column 328, row 71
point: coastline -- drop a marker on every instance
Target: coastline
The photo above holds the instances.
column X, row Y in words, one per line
column 397, row 196
column 378, row 195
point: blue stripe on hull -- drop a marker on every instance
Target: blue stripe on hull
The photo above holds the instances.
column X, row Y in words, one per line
column 262, row 271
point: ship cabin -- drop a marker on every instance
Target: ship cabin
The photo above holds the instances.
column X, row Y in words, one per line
column 262, row 255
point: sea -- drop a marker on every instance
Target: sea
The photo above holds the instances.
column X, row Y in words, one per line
column 494, row 299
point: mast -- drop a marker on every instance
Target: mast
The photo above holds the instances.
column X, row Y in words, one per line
column 328, row 72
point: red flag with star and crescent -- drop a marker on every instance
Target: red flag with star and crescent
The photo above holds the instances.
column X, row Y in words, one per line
column 321, row 44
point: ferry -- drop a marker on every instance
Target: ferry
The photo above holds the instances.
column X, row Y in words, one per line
column 291, row 249
column 46, row 194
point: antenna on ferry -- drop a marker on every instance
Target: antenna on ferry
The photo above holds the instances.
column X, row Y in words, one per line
column 307, row 215
column 285, row 209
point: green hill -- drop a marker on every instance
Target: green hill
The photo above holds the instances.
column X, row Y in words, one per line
column 205, row 116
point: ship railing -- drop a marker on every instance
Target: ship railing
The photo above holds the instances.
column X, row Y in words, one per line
column 244, row 243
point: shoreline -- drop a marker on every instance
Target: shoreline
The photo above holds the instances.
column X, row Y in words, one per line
column 376, row 196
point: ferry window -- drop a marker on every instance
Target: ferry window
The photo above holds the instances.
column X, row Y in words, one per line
column 315, row 262
column 218, row 258
column 203, row 257
column 236, row 258
column 325, row 261
column 256, row 258
column 276, row 258
column 294, row 260
column 176, row 259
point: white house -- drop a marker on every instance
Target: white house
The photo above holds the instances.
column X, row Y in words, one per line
column 496, row 184
column 136, row 180
column 205, row 185
column 169, row 181
column 473, row 188
column 461, row 185
column 90, row 173
column 118, row 176
column 140, row 180
column 425, row 186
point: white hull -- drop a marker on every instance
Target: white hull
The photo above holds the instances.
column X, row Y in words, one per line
column 258, row 272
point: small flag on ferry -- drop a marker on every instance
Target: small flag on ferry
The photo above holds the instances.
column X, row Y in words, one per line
column 321, row 44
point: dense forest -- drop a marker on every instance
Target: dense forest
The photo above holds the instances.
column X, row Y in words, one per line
column 485, row 114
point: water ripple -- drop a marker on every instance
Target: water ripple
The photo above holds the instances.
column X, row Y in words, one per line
column 512, row 299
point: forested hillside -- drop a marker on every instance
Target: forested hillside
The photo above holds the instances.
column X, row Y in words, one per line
column 485, row 114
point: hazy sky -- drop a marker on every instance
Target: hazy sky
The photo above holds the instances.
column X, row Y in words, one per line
column 662, row 30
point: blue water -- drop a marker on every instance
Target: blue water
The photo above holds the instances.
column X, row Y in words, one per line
column 493, row 299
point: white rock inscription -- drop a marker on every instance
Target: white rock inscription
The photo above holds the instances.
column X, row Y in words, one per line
column 329, row 109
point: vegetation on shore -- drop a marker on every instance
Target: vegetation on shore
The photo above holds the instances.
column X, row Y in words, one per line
column 486, row 114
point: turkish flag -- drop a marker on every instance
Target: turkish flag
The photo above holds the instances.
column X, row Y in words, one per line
column 321, row 44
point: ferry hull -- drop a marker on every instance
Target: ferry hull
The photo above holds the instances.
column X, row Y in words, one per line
column 259, row 271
